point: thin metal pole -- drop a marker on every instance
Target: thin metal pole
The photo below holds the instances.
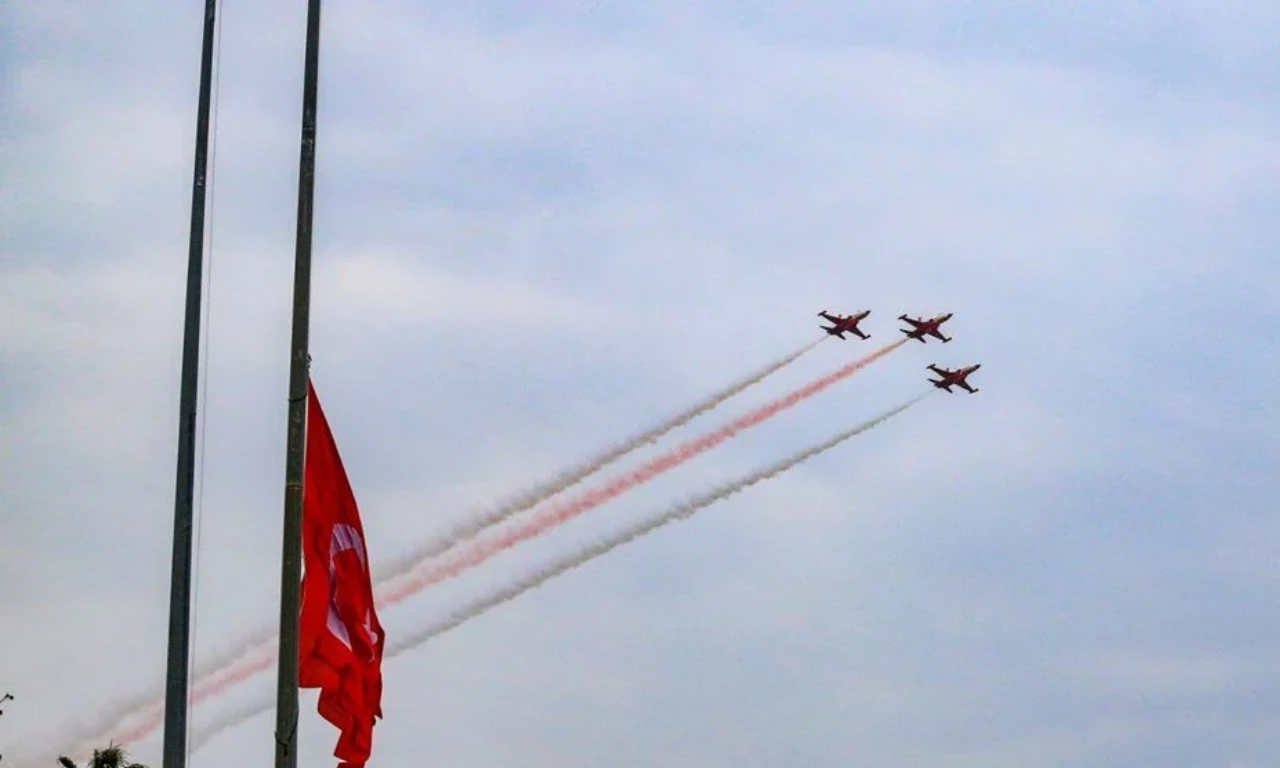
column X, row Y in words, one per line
column 176, row 682
column 291, row 557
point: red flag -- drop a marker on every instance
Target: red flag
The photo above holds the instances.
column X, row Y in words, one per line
column 340, row 639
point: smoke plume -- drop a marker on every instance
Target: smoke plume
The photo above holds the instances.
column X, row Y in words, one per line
column 560, row 566
column 572, row 477
column 557, row 514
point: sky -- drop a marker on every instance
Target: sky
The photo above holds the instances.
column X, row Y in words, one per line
column 543, row 227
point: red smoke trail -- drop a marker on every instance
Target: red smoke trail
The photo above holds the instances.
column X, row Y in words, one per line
column 209, row 671
column 680, row 511
column 201, row 691
column 565, row 511
column 575, row 475
column 218, row 684
column 264, row 661
column 562, row 565
column 540, row 523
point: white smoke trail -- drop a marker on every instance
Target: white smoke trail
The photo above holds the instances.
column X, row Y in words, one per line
column 121, row 711
column 572, row 477
column 682, row 511
column 154, row 698
column 200, row 737
column 147, row 707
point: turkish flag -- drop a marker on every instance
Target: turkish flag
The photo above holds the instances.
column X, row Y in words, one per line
column 340, row 639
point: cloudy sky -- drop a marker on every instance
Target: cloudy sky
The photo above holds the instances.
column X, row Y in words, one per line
column 543, row 226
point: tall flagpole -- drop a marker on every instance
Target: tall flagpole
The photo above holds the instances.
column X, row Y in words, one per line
column 291, row 558
column 176, row 673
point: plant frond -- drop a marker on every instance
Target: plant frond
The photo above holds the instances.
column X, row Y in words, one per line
column 111, row 757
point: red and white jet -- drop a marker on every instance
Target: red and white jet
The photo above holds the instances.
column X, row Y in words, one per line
column 956, row 378
column 840, row 324
column 921, row 327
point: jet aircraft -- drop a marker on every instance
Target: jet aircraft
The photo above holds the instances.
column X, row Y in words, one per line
column 921, row 327
column 956, row 378
column 840, row 324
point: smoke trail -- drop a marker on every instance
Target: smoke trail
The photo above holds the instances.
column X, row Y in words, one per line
column 200, row 737
column 557, row 514
column 561, row 513
column 572, row 477
column 483, row 550
column 683, row 511
column 152, row 702
column 153, row 715
column 215, row 679
column 264, row 659
column 232, row 652
column 87, row 737
column 135, row 705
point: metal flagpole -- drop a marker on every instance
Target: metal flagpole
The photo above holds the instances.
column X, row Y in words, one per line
column 291, row 558
column 176, row 674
